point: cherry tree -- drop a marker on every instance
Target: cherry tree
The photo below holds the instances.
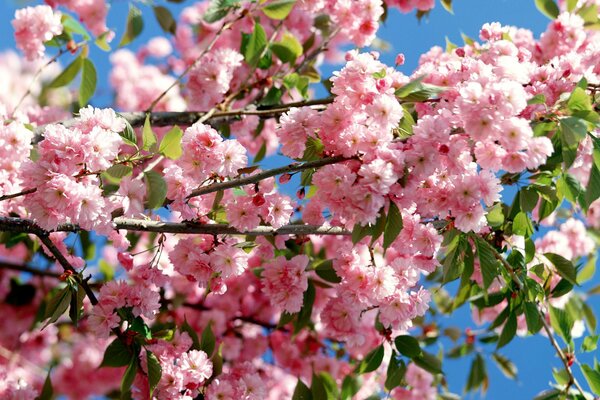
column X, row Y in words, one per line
column 149, row 250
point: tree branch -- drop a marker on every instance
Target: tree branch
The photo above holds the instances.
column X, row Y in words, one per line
column 186, row 118
column 241, row 181
column 12, row 224
column 45, row 238
column 28, row 269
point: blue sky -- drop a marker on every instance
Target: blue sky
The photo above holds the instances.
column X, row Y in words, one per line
column 533, row 356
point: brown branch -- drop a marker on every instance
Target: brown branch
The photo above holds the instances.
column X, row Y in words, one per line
column 28, row 269
column 12, row 224
column 19, row 194
column 45, row 238
column 241, row 181
column 186, row 118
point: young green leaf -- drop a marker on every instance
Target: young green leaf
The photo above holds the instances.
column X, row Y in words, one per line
column 133, row 27
column 154, row 371
column 165, row 19
column 393, row 225
column 208, row 340
column 68, row 74
column 564, row 267
column 489, row 264
column 350, row 386
column 508, row 331
column 326, row 272
column 129, row 377
column 278, row 9
column 148, row 136
column 256, row 44
column 185, row 327
column 47, row 392
column 58, row 305
column 88, row 82
column 170, row 145
column 592, row 377
column 548, row 8
column 156, row 189
column 288, row 49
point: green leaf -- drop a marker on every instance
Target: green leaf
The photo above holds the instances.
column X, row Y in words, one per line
column 278, row 9
column 262, row 152
column 359, row 232
column 393, row 225
column 592, row 192
column 306, row 310
column 429, row 362
column 590, row 343
column 128, row 377
column 117, row 354
column 487, row 260
column 326, row 272
column 371, row 362
column 405, row 128
column 350, row 386
column 138, row 325
column 77, row 297
column 548, row 8
column 102, row 41
column 256, row 44
column 148, row 136
column 505, row 365
column 165, row 19
column 154, row 371
column 408, row 346
column 218, row 9
column 314, row 149
column 592, row 377
column 156, row 189
column 133, row 27
column 537, row 99
column 579, row 101
column 302, row 392
column 395, row 372
column 208, row 340
column 564, row 267
column 477, row 374
column 508, row 331
column 67, row 75
column 562, row 323
column 522, row 225
column 88, row 82
column 416, row 91
column 71, row 25
column 128, row 134
column 170, row 145
column 119, row 170
column 447, row 4
column 574, row 130
column 47, row 391
column 324, row 387
column 185, row 327
column 58, row 305
column 589, row 269
column 288, row 49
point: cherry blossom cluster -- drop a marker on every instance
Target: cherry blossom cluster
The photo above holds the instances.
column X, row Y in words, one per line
column 66, row 173
column 34, row 26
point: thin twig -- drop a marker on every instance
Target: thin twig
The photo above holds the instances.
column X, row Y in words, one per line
column 246, row 180
column 19, row 194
